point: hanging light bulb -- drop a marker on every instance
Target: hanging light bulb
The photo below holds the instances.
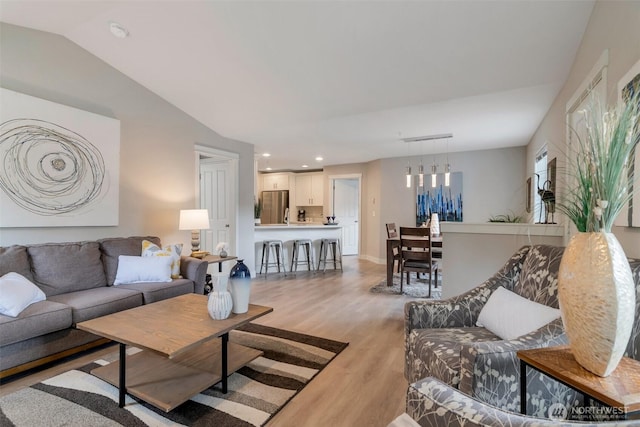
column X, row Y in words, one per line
column 434, row 175
column 409, row 176
column 421, row 175
column 447, row 171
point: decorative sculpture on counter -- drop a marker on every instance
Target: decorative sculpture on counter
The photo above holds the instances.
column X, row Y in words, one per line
column 547, row 197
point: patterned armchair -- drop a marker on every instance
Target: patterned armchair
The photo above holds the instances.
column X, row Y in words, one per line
column 432, row 403
column 442, row 341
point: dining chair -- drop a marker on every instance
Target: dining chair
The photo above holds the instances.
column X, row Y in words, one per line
column 416, row 251
column 392, row 233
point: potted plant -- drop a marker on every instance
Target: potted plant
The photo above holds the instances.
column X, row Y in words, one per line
column 257, row 211
column 595, row 285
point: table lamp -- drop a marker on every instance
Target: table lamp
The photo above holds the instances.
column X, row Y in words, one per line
column 194, row 220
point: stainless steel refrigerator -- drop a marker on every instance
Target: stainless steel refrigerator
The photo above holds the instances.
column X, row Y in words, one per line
column 275, row 206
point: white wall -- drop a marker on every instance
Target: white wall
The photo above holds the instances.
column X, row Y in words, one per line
column 157, row 160
column 493, row 184
column 614, row 25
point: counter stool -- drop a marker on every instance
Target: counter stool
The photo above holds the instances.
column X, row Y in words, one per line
column 307, row 244
column 277, row 248
column 336, row 251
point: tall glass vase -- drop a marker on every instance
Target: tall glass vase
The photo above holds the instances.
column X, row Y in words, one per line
column 240, row 287
column 597, row 300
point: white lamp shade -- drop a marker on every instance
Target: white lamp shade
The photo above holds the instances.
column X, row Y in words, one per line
column 194, row 219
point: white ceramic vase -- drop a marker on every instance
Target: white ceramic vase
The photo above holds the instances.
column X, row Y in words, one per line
column 435, row 225
column 220, row 302
column 597, row 300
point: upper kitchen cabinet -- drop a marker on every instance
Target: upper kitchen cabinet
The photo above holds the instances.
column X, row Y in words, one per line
column 309, row 189
column 275, row 181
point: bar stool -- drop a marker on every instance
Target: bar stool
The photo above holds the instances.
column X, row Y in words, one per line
column 307, row 244
column 277, row 248
column 334, row 245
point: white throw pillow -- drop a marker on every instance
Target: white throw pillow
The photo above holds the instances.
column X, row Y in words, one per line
column 136, row 269
column 171, row 251
column 17, row 293
column 509, row 316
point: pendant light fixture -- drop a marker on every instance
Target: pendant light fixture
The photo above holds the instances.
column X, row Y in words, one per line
column 434, row 174
column 447, row 169
column 434, row 167
column 421, row 168
column 409, row 176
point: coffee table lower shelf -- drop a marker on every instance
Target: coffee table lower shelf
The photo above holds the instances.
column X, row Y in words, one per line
column 166, row 383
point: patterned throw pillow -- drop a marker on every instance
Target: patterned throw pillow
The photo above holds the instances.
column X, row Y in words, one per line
column 173, row 251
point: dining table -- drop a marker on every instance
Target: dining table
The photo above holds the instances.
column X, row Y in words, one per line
column 393, row 243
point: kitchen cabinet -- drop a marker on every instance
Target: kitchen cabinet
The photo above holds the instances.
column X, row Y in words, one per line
column 309, row 189
column 275, row 181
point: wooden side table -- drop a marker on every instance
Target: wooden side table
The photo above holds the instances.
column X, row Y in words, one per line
column 620, row 390
column 215, row 259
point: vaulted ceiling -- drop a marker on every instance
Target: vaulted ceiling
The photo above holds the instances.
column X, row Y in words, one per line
column 345, row 80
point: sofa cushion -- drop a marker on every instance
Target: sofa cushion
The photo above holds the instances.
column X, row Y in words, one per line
column 139, row 269
column 539, row 275
column 15, row 258
column 17, row 293
column 92, row 303
column 38, row 319
column 157, row 291
column 114, row 247
column 436, row 352
column 59, row 268
column 172, row 251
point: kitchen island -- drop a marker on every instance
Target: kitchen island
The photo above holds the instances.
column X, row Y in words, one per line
column 288, row 233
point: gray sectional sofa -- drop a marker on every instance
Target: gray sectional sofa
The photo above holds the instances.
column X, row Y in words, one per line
column 77, row 279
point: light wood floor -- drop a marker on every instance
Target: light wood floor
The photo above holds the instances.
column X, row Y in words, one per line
column 364, row 385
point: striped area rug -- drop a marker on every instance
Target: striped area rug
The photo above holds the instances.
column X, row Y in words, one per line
column 256, row 392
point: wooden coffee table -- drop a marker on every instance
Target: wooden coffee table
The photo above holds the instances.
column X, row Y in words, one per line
column 180, row 356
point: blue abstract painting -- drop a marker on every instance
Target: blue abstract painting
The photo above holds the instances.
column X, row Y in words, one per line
column 446, row 201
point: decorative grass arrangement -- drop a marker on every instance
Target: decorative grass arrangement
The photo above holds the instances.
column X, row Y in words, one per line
column 602, row 167
column 510, row 218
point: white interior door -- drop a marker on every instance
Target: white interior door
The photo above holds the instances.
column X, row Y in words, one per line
column 216, row 195
column 346, row 207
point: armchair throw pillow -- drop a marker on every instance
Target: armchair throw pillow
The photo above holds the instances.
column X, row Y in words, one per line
column 509, row 316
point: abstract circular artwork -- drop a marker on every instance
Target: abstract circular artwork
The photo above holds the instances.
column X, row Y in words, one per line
column 48, row 169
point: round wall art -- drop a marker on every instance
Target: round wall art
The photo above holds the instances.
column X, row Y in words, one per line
column 48, row 169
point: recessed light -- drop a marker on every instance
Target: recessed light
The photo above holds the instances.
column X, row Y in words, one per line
column 118, row 30
column 266, row 155
column 305, row 166
column 319, row 159
column 268, row 168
